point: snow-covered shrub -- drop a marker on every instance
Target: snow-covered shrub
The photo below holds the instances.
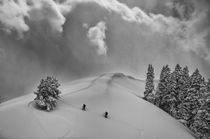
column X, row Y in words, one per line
column 47, row 94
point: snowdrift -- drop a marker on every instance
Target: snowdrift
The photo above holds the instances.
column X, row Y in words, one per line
column 130, row 117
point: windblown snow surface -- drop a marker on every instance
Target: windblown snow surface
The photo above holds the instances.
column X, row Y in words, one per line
column 130, row 117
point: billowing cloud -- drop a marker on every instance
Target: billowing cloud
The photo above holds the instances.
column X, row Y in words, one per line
column 194, row 16
column 62, row 37
column 183, row 31
column 14, row 14
column 97, row 36
column 134, row 14
column 49, row 11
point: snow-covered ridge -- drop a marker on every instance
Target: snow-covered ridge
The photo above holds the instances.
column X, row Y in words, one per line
column 130, row 117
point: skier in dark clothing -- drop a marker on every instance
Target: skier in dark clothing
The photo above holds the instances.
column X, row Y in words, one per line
column 106, row 114
column 84, row 107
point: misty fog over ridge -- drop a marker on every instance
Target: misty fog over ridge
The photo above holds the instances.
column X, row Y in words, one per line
column 71, row 39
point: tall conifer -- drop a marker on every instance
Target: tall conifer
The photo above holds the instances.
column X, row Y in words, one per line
column 149, row 88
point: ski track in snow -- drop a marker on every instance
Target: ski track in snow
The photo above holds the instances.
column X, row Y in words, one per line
column 31, row 107
column 91, row 84
column 37, row 119
column 109, row 82
column 68, row 132
column 105, row 83
column 139, row 131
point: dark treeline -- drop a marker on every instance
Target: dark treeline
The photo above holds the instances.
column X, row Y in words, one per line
column 185, row 97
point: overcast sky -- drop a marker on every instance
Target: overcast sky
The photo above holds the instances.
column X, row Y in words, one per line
column 71, row 39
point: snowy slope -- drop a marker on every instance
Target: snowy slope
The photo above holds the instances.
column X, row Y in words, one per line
column 130, row 117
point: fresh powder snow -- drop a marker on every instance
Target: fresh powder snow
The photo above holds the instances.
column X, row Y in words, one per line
column 130, row 117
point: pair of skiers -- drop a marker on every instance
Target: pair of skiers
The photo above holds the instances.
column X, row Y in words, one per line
column 105, row 114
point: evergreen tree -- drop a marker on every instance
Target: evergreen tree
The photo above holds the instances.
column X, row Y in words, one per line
column 149, row 87
column 177, row 72
column 193, row 99
column 185, row 84
column 172, row 97
column 47, row 93
column 163, row 87
column 186, row 98
column 185, row 80
column 201, row 121
column 208, row 86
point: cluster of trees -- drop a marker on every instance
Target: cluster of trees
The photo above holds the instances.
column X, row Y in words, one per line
column 47, row 94
column 185, row 97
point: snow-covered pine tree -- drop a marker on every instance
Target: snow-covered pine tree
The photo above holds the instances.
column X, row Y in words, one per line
column 47, row 93
column 172, row 97
column 185, row 81
column 149, row 87
column 193, row 100
column 208, row 86
column 163, row 87
column 178, row 72
column 201, row 121
column 186, row 98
